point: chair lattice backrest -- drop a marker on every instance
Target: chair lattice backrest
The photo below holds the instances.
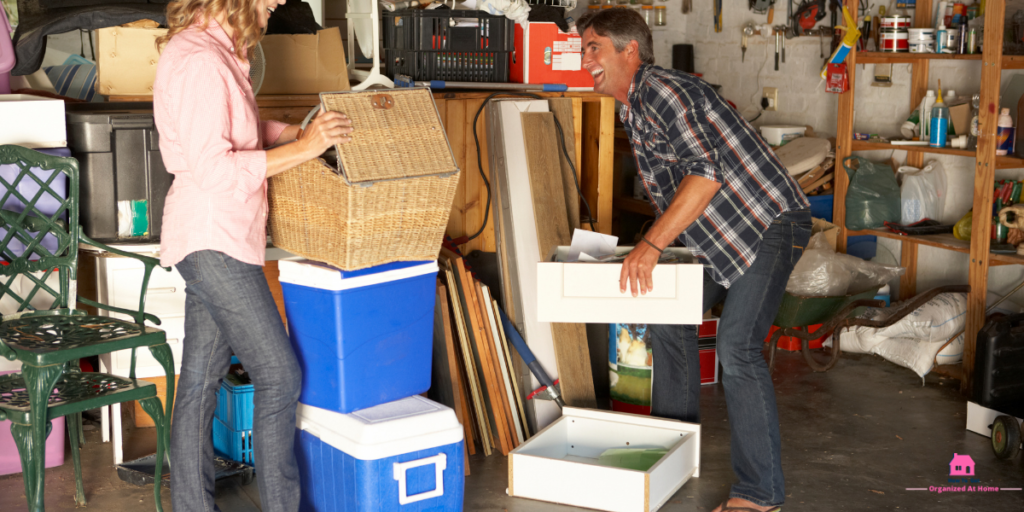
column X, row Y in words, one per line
column 39, row 231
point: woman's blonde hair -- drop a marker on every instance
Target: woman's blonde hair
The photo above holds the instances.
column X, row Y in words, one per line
column 241, row 15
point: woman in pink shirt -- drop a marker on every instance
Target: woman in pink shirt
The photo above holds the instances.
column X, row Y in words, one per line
column 214, row 233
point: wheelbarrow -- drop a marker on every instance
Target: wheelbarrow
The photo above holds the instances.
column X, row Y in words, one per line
column 835, row 314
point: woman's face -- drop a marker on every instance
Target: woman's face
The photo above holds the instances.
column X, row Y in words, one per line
column 268, row 8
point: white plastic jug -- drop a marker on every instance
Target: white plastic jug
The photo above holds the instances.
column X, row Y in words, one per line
column 6, row 53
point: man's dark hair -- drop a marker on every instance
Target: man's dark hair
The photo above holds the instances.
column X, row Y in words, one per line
column 621, row 25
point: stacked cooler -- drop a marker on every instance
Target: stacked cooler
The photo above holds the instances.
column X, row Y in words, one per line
column 364, row 439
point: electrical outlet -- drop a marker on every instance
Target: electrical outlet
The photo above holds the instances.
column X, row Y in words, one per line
column 772, row 95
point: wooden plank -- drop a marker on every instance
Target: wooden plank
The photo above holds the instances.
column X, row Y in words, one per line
column 442, row 113
column 469, row 366
column 908, row 260
column 563, row 110
column 271, row 272
column 912, row 58
column 516, row 393
column 473, row 208
column 819, row 182
column 445, row 384
column 605, row 166
column 497, row 362
column 486, row 241
column 590, row 171
column 483, row 360
column 577, row 128
column 844, row 144
column 456, row 130
column 572, row 354
column 984, row 176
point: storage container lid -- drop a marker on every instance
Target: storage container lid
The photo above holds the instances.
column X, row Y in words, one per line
column 403, row 426
column 315, row 274
column 397, row 134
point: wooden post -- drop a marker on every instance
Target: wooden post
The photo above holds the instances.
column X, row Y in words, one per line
column 984, row 176
column 844, row 143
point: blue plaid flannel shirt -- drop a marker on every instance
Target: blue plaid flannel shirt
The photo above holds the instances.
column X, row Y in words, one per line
column 679, row 125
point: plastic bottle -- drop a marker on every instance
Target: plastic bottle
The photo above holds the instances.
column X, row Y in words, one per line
column 910, row 125
column 1004, row 133
column 926, row 111
column 940, row 39
column 938, row 123
column 972, row 140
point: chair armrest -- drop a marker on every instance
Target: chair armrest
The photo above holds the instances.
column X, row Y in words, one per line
column 140, row 316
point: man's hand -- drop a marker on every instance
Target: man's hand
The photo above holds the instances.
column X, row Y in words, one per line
column 637, row 268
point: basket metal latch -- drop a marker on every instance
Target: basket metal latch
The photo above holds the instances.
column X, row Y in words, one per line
column 382, row 101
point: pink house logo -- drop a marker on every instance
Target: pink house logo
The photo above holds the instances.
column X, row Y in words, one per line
column 961, row 465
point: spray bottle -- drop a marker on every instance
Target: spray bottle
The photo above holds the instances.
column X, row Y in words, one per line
column 926, row 112
column 1004, row 133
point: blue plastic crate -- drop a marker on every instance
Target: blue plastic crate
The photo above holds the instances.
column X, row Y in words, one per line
column 863, row 246
column 821, row 206
column 234, row 403
column 362, row 337
column 233, row 444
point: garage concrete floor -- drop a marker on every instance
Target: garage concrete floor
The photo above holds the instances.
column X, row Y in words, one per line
column 854, row 439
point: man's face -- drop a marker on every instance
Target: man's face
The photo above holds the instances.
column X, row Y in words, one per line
column 609, row 68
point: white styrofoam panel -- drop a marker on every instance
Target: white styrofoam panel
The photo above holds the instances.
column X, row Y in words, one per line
column 39, row 121
column 560, row 463
column 980, row 418
column 536, row 334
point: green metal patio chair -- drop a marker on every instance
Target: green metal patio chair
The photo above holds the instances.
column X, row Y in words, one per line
column 50, row 342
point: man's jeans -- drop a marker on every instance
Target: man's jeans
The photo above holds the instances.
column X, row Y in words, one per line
column 229, row 307
column 750, row 307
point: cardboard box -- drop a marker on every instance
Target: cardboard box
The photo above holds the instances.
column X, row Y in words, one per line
column 142, row 418
column 126, row 60
column 824, row 226
column 589, row 292
column 32, row 121
column 304, row 63
column 561, row 463
column 960, row 116
column 545, row 55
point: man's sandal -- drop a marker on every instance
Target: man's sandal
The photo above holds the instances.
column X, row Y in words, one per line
column 727, row 508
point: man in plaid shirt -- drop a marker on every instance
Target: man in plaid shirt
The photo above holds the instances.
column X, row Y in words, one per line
column 719, row 190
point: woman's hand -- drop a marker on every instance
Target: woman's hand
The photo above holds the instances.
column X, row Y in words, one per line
column 325, row 131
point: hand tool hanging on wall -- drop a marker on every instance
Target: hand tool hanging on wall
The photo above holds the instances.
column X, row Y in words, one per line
column 809, row 13
column 778, row 46
column 718, row 15
column 748, row 30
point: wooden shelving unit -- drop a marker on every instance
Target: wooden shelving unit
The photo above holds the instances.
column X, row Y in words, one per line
column 993, row 63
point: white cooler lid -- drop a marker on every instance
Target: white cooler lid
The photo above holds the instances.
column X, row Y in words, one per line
column 7, row 365
column 403, row 426
column 315, row 274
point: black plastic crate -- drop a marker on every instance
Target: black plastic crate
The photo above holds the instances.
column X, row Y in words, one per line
column 999, row 365
column 458, row 46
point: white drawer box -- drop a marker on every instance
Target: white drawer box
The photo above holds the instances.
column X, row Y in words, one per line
column 560, row 463
column 32, row 121
column 589, row 292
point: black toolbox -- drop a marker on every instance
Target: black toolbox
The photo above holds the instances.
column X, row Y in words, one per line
column 123, row 180
column 999, row 365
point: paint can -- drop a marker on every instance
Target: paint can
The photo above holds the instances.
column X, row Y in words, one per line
column 921, row 40
column 895, row 22
column 893, row 40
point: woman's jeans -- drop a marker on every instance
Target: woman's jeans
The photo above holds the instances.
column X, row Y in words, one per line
column 751, row 304
column 229, row 308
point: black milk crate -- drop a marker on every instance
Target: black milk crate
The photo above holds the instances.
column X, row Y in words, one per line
column 425, row 45
column 999, row 365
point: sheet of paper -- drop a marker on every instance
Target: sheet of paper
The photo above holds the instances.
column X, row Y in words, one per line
column 595, row 245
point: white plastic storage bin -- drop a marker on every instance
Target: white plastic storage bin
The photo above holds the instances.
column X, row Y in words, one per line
column 32, row 121
column 405, row 455
column 561, row 463
column 362, row 337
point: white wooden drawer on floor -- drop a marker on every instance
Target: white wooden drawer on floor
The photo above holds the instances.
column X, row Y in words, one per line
column 119, row 281
column 560, row 463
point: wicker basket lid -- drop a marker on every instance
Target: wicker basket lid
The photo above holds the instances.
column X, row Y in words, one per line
column 398, row 134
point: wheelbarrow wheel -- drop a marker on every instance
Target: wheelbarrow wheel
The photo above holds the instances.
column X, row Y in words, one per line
column 813, row 362
column 1005, row 437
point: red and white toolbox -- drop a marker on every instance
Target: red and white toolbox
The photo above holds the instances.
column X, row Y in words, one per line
column 546, row 55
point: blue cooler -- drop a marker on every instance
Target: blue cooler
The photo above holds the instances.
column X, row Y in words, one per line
column 400, row 456
column 362, row 337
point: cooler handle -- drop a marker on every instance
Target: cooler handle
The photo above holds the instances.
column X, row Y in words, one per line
column 440, row 462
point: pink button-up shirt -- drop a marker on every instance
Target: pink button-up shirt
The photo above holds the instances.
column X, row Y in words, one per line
column 212, row 140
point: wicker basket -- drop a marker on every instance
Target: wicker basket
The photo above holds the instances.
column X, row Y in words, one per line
column 390, row 195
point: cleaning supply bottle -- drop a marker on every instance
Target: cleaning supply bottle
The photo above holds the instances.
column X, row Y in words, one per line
column 940, row 39
column 926, row 111
column 938, row 122
column 972, row 140
column 909, row 128
column 1004, row 133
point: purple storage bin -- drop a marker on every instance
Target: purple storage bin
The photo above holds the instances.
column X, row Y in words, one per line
column 10, row 460
column 28, row 188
